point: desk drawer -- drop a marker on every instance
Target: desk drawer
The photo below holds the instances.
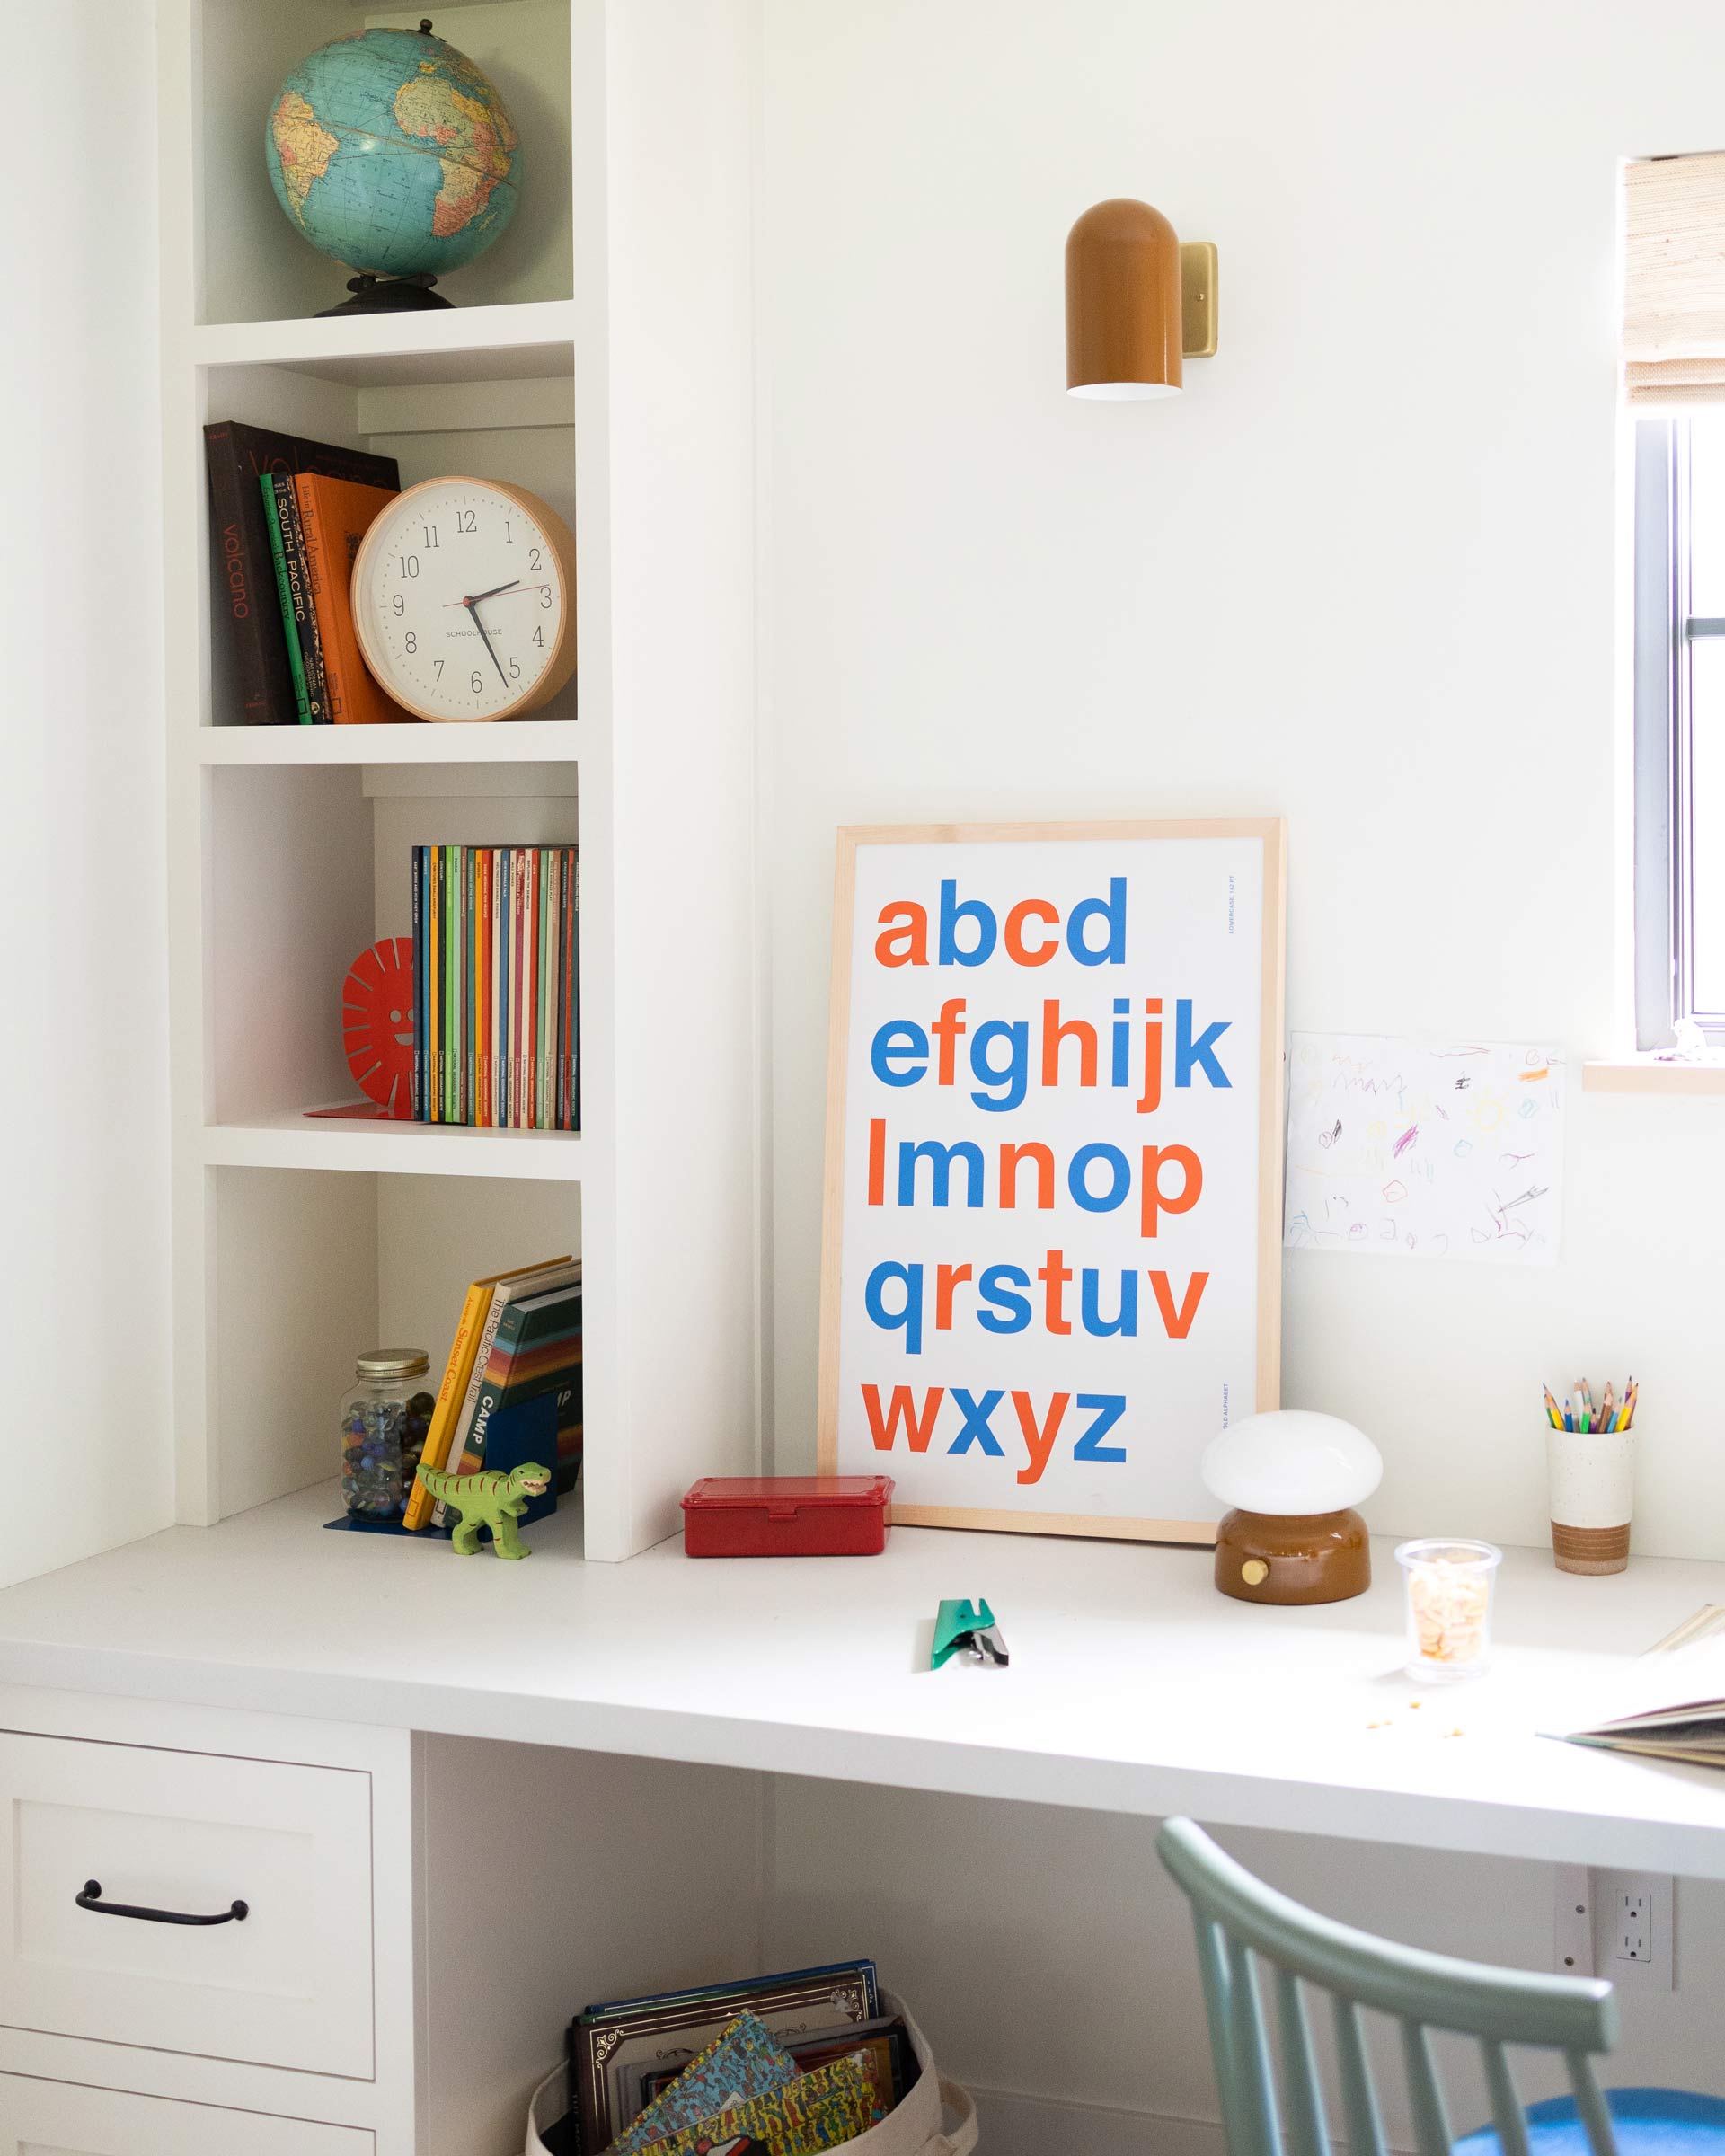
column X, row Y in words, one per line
column 288, row 1985
column 37, row 2117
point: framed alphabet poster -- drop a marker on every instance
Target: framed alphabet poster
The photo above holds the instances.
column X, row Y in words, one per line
column 1051, row 1264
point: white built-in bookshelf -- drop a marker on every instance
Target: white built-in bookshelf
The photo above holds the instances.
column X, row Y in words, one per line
column 600, row 355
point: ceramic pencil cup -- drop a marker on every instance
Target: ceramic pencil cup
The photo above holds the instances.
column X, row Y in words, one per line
column 1592, row 1475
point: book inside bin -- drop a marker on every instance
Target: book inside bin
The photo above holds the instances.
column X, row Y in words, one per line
column 796, row 2064
column 787, row 1515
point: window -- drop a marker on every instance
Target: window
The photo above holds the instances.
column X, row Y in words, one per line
column 1680, row 726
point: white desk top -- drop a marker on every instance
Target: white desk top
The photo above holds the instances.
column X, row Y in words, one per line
column 1134, row 1686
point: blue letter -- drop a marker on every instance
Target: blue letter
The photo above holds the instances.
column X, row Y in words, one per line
column 1112, row 910
column 1187, row 1051
column 1110, row 1407
column 909, row 1319
column 1127, row 1323
column 940, row 1159
column 952, row 913
column 995, row 1286
column 1077, row 1173
column 1015, row 1077
column 975, row 1430
column 898, row 1039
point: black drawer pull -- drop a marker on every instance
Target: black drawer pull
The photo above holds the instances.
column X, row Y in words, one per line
column 91, row 1899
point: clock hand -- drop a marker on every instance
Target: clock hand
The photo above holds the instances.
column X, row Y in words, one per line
column 472, row 608
column 516, row 585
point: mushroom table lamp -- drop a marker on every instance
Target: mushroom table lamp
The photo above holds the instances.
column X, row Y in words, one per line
column 1293, row 1480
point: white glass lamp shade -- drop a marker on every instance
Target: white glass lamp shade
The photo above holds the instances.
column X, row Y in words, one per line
column 1291, row 1462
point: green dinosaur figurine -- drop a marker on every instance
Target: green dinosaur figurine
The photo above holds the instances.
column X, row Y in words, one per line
column 489, row 1499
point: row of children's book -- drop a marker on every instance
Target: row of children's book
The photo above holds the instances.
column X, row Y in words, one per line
column 785, row 2065
column 286, row 517
column 497, row 982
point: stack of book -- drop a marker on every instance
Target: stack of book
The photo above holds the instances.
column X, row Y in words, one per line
column 286, row 517
column 496, row 1005
column 511, row 1389
column 796, row 2062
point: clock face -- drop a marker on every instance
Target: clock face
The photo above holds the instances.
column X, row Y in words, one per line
column 461, row 595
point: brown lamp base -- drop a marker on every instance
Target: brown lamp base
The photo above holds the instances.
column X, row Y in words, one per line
column 1293, row 1558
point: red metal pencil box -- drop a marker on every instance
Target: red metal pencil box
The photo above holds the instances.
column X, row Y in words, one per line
column 787, row 1515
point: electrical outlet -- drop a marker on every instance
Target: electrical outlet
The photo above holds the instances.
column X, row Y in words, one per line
column 1631, row 1923
column 1618, row 1924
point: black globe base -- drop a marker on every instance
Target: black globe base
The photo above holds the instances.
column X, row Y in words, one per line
column 373, row 295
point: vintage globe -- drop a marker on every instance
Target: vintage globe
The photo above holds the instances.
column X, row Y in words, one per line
column 393, row 152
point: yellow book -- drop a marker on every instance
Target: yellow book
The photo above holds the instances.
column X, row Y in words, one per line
column 457, row 1372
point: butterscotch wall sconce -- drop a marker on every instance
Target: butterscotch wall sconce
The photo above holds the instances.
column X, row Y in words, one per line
column 1138, row 302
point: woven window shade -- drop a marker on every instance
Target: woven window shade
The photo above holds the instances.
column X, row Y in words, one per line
column 1673, row 280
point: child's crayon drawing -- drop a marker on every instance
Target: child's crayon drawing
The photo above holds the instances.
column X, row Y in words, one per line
column 1407, row 1148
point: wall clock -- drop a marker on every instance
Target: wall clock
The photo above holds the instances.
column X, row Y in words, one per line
column 464, row 599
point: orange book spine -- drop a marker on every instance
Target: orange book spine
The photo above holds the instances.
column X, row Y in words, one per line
column 451, row 1392
column 354, row 698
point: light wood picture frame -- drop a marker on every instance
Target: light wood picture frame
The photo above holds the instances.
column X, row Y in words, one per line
column 1025, row 1056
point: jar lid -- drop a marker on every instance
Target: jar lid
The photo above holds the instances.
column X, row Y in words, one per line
column 391, row 1362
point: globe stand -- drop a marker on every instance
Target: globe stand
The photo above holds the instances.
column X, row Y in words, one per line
column 375, row 294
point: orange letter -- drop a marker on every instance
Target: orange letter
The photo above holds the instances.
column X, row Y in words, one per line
column 1152, row 1058
column 1039, row 1444
column 1054, row 1273
column 1029, row 909
column 1009, row 1157
column 946, row 1029
column 1153, row 1196
column 917, row 1429
column 1054, row 1033
column 946, row 1279
column 876, row 1159
column 1178, row 1323
column 912, row 932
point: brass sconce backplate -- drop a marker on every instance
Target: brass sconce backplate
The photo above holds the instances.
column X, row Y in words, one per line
column 1197, row 298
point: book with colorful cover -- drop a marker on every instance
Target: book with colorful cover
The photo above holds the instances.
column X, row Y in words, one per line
column 817, row 2111
column 237, row 456
column 285, row 597
column 335, row 515
column 303, row 626
column 744, row 2061
column 507, row 1293
column 457, row 1372
column 535, row 1348
column 615, row 2044
column 419, row 984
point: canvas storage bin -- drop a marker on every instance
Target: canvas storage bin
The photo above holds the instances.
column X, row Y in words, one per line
column 917, row 2128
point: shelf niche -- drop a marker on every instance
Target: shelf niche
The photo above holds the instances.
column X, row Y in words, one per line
column 312, row 1268
column 256, row 268
column 308, row 867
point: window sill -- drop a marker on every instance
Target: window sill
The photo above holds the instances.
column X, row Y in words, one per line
column 1646, row 1074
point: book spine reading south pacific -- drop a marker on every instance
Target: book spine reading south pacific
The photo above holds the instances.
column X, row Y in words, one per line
column 299, row 590
column 284, row 598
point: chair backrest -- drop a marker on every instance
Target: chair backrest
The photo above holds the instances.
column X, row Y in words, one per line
column 1240, row 1922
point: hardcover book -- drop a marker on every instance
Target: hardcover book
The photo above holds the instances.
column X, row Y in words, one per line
column 493, row 1364
column 335, row 515
column 237, row 456
column 284, row 599
column 301, row 622
column 817, row 2111
column 535, row 1348
column 745, row 2060
column 613, row 2047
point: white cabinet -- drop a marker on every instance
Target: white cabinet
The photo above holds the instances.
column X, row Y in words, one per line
column 52, row 2118
column 290, row 1984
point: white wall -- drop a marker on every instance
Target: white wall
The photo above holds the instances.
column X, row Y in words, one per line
column 1363, row 573
column 82, row 1081
column 982, row 1913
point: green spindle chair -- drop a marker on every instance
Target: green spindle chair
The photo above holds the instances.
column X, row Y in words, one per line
column 1241, row 1922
